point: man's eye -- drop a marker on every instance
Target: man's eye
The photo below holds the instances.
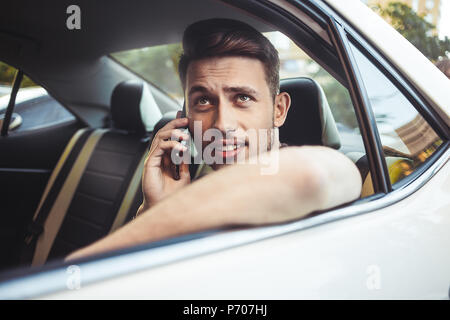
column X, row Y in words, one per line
column 243, row 98
column 203, row 101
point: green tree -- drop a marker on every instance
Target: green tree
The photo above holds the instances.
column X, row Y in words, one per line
column 155, row 64
column 7, row 74
column 414, row 28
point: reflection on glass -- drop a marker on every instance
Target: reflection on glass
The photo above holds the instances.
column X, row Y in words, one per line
column 408, row 140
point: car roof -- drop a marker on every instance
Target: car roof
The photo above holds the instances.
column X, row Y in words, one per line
column 112, row 25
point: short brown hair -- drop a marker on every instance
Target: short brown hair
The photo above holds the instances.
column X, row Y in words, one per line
column 226, row 37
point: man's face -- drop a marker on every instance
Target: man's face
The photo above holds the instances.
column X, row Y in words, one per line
column 230, row 95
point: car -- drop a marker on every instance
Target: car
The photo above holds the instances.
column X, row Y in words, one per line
column 34, row 109
column 4, row 90
column 369, row 93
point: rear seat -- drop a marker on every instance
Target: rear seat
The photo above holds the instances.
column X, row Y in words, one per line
column 95, row 186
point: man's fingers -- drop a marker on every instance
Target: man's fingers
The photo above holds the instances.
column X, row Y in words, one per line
column 168, row 164
column 184, row 171
column 176, row 123
column 171, row 144
column 162, row 147
column 174, row 134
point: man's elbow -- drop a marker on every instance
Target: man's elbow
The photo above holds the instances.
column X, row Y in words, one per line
column 328, row 179
column 340, row 182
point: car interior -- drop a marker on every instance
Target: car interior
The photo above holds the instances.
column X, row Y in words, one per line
column 65, row 186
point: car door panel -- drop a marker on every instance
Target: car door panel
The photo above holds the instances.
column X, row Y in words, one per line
column 393, row 252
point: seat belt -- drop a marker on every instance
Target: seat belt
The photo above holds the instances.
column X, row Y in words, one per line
column 58, row 211
column 134, row 186
column 58, row 167
column 34, row 228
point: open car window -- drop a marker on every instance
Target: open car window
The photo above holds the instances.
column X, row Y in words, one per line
column 408, row 140
column 159, row 65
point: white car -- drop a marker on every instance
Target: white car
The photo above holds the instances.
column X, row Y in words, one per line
column 391, row 106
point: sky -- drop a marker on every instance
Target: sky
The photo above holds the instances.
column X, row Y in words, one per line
column 445, row 19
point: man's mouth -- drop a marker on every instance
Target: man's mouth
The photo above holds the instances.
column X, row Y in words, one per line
column 229, row 150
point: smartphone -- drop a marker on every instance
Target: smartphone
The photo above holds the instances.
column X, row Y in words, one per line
column 183, row 143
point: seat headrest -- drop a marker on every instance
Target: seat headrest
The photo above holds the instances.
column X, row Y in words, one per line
column 165, row 119
column 133, row 107
column 309, row 120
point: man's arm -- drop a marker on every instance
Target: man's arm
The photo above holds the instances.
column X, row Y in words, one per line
column 308, row 179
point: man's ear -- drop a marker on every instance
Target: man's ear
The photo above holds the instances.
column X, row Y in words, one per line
column 282, row 105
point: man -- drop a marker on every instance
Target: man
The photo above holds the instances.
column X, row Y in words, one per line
column 230, row 76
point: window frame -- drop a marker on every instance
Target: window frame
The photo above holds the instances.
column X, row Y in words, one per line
column 364, row 114
column 350, row 35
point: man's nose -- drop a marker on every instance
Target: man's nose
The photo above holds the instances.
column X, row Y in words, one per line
column 225, row 119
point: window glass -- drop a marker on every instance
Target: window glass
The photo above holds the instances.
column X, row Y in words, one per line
column 408, row 140
column 157, row 65
column 34, row 107
column 294, row 62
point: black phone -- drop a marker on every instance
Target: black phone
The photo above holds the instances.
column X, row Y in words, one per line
column 183, row 142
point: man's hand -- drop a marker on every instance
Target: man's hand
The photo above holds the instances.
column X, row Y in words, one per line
column 160, row 173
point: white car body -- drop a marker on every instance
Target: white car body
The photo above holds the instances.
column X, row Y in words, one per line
column 378, row 255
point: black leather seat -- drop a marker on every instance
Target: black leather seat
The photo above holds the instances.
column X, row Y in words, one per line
column 309, row 120
column 96, row 185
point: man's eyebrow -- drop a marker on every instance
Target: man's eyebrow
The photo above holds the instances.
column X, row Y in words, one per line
column 236, row 89
column 245, row 89
column 195, row 89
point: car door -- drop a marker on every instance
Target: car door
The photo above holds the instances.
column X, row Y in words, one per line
column 39, row 130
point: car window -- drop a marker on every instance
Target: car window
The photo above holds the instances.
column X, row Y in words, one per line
column 294, row 62
column 407, row 139
column 158, row 65
column 34, row 107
